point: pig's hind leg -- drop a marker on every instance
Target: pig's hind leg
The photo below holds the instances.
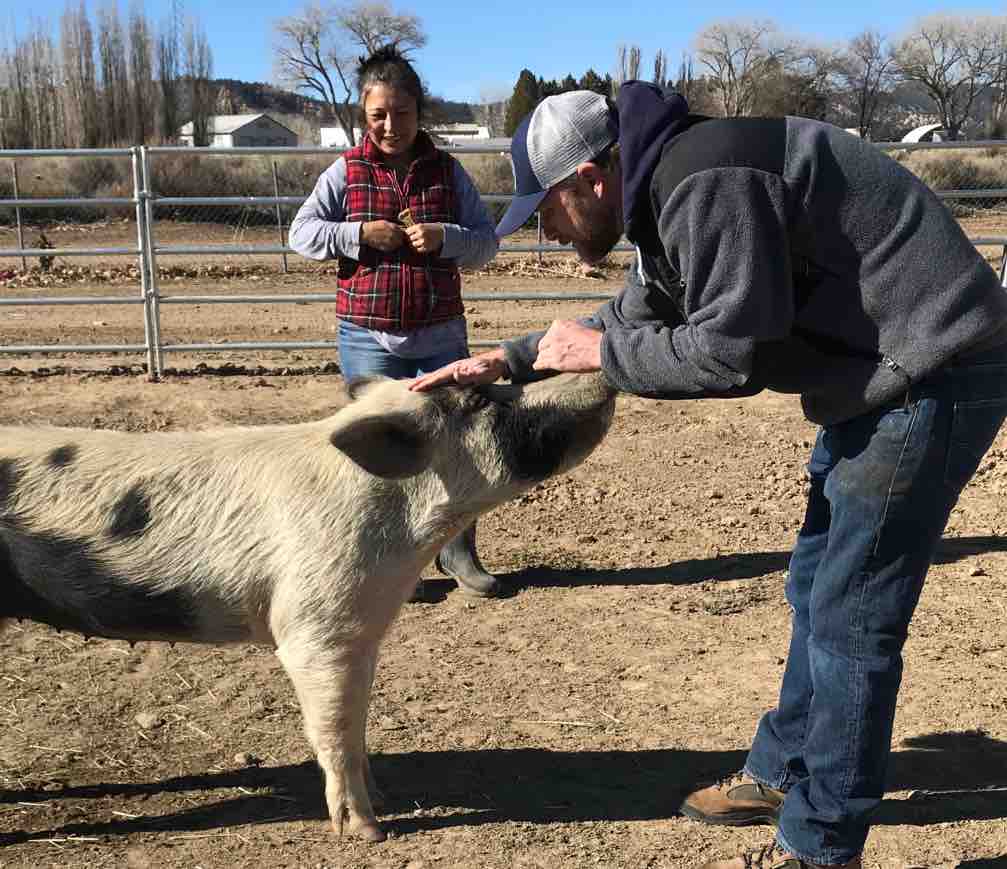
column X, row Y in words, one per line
column 333, row 685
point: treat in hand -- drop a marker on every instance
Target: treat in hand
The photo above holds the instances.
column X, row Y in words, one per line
column 406, row 217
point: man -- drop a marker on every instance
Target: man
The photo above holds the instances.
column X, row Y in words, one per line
column 785, row 254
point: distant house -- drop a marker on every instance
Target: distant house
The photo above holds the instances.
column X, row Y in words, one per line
column 443, row 135
column 237, row 131
column 335, row 137
column 926, row 133
column 460, row 134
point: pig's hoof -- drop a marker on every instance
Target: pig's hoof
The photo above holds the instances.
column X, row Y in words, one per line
column 371, row 832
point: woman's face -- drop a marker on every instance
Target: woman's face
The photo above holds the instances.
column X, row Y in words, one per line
column 392, row 119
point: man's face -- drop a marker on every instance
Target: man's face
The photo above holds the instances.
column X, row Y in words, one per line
column 577, row 213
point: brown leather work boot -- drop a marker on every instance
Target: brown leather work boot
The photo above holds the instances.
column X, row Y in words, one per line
column 774, row 857
column 736, row 801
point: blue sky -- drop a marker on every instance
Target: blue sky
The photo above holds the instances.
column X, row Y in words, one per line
column 477, row 47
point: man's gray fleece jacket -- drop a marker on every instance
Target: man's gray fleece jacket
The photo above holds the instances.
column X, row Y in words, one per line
column 786, row 254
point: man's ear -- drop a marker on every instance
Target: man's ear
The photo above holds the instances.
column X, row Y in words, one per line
column 389, row 445
column 593, row 175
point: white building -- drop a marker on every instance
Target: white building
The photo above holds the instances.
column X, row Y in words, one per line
column 445, row 135
column 235, row 131
column 335, row 137
column 460, row 134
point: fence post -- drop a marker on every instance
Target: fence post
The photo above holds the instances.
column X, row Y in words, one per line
column 279, row 215
column 538, row 217
column 141, row 244
column 17, row 215
column 152, row 297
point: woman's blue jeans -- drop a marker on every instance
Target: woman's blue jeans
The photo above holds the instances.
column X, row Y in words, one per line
column 882, row 488
column 360, row 355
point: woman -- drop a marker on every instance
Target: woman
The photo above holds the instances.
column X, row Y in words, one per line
column 401, row 217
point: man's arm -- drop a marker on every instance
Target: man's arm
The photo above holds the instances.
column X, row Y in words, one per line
column 726, row 230
column 572, row 345
column 637, row 302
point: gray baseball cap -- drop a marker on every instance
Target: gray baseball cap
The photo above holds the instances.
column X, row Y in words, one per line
column 562, row 132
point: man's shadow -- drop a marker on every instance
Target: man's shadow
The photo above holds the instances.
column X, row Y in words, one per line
column 955, row 776
column 723, row 568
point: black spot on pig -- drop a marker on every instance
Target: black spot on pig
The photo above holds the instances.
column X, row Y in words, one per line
column 62, row 456
column 58, row 581
column 534, row 446
column 130, row 514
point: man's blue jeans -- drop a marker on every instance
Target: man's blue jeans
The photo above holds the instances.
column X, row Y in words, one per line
column 882, row 488
column 360, row 356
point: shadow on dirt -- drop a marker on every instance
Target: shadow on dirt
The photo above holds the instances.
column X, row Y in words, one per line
column 953, row 776
column 952, row 549
column 724, row 568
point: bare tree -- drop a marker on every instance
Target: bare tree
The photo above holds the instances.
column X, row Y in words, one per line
column 803, row 81
column 199, row 72
column 628, row 66
column 868, row 72
column 692, row 88
column 80, row 85
column 114, row 77
column 43, row 75
column 141, row 77
column 956, row 60
column 374, row 25
column 317, row 50
column 169, row 72
column 15, row 101
column 660, row 76
column 737, row 55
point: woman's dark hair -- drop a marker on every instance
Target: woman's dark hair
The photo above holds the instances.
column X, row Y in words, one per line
column 389, row 67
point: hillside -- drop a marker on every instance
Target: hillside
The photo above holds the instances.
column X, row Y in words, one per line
column 237, row 97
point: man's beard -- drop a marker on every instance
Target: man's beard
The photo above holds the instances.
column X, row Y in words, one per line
column 599, row 228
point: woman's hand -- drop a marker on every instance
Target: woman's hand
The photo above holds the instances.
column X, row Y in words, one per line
column 382, row 235
column 484, row 368
column 426, row 237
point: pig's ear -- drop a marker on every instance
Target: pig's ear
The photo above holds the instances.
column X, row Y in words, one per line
column 357, row 385
column 388, row 445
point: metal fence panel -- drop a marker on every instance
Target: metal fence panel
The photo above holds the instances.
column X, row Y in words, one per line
column 160, row 197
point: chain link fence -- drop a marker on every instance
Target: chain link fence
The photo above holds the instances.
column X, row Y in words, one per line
column 140, row 229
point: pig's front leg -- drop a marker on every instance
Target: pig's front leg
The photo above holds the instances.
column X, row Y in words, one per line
column 333, row 686
column 377, row 797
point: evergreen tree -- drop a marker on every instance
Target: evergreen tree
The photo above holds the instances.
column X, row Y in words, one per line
column 591, row 81
column 548, row 88
column 568, row 84
column 524, row 99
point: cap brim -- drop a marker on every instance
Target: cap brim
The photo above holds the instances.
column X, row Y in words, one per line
column 521, row 208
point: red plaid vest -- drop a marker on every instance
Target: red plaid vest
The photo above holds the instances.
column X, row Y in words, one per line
column 402, row 290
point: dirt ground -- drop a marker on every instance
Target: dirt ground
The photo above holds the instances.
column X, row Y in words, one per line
column 644, row 633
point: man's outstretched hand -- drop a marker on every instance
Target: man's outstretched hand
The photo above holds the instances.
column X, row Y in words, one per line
column 484, row 368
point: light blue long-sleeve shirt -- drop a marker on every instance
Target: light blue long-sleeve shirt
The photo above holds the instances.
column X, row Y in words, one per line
column 320, row 230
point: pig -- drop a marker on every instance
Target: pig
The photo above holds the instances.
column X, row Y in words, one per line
column 306, row 537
